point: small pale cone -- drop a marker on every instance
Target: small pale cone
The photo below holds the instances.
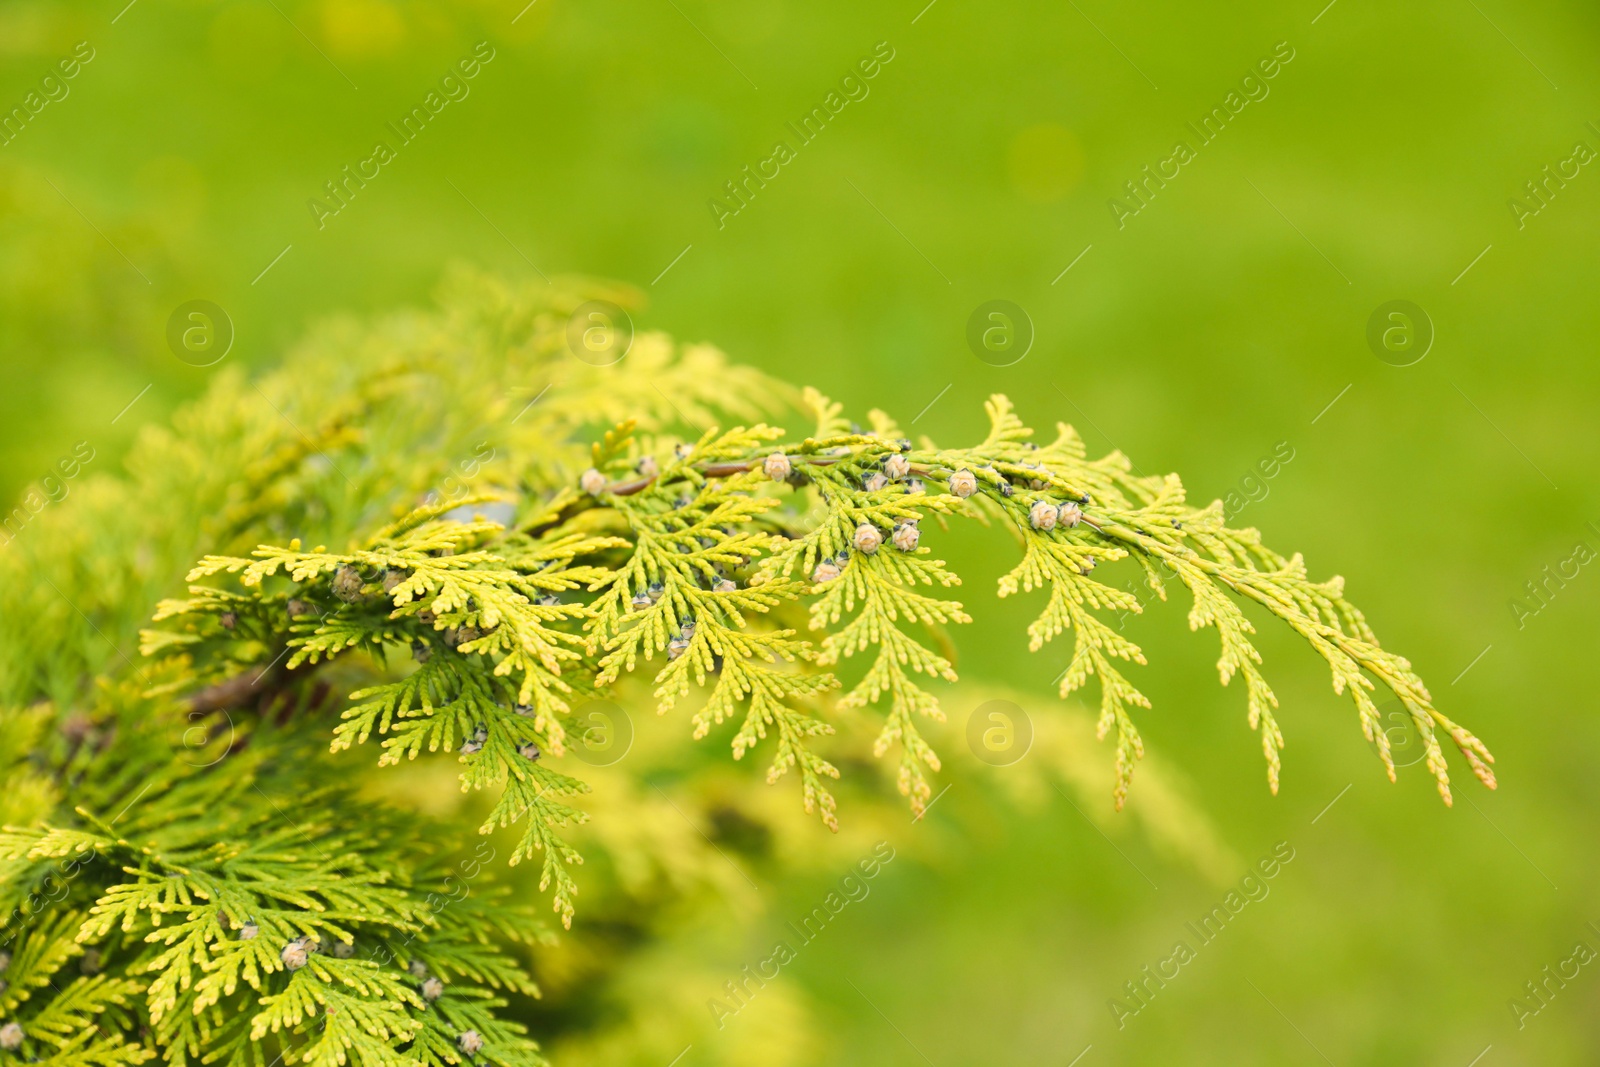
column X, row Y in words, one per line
column 592, row 482
column 1042, row 515
column 1069, row 514
column 776, row 466
column 963, row 483
column 826, row 571
column 346, row 583
column 875, row 481
column 868, row 538
column 896, row 467
column 906, row 536
column 470, row 1042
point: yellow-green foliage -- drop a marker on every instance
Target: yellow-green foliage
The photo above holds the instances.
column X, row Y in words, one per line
column 501, row 533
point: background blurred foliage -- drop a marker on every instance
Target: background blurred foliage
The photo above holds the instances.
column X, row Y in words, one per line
column 1209, row 329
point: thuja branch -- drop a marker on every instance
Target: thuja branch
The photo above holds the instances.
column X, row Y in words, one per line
column 687, row 557
column 1072, row 514
column 226, row 893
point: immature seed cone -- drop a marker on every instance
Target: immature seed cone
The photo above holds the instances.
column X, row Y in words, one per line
column 1069, row 514
column 868, row 537
column 906, row 536
column 826, row 571
column 1042, row 515
column 433, row 989
column 11, row 1036
column 470, row 1042
column 896, row 467
column 294, row 955
column 592, row 482
column 346, row 583
column 776, row 466
column 963, row 483
column 875, row 481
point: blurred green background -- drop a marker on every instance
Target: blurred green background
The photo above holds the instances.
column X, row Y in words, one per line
column 1222, row 320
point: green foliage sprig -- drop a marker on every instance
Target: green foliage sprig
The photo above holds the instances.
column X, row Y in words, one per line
column 197, row 864
column 683, row 554
column 265, row 935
